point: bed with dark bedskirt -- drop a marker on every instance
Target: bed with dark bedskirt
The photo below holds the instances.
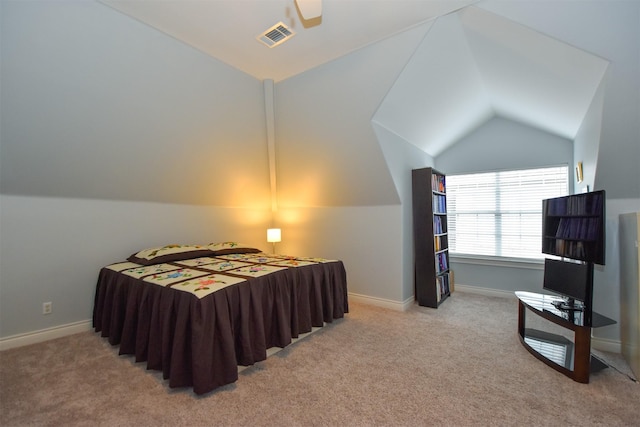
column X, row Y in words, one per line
column 197, row 318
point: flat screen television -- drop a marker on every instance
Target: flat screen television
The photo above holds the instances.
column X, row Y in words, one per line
column 574, row 227
column 572, row 280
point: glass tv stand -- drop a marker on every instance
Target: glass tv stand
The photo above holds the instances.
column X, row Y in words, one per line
column 572, row 358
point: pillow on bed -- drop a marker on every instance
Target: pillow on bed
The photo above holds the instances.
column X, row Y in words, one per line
column 169, row 253
column 225, row 248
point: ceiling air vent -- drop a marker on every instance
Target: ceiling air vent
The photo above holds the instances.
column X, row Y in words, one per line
column 276, row 35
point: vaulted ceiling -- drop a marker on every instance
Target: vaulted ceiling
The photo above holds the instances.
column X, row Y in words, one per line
column 227, row 29
column 471, row 65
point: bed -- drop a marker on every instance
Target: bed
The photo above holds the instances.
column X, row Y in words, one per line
column 198, row 312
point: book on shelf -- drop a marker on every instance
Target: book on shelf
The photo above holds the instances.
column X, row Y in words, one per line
column 441, row 262
column 439, row 203
column 442, row 286
column 437, row 225
column 438, row 183
column 440, row 242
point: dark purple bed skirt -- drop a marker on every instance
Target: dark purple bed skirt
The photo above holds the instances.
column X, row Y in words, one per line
column 199, row 343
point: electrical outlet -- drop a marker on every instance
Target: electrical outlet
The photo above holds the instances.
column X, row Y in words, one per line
column 47, row 307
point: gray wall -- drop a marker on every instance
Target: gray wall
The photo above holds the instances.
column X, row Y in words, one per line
column 503, row 144
column 336, row 194
column 610, row 30
column 98, row 105
column 328, row 154
column 106, row 121
column 51, row 249
column 401, row 158
column 114, row 138
column 366, row 238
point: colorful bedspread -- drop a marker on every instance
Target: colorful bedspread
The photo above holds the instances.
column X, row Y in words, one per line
column 197, row 319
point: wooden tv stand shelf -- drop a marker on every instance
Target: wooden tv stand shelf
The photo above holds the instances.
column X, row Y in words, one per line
column 573, row 359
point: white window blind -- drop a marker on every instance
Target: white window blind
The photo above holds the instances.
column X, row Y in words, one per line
column 500, row 213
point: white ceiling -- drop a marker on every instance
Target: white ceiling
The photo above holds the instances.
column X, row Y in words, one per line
column 474, row 65
column 486, row 64
column 227, row 29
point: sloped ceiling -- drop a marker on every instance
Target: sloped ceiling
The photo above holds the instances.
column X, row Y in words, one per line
column 532, row 77
column 440, row 94
column 227, row 29
column 472, row 65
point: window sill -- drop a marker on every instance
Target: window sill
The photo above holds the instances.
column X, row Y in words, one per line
column 533, row 264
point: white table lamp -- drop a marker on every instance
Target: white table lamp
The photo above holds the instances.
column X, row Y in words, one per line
column 274, row 235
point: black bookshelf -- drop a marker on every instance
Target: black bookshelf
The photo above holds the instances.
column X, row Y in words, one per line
column 433, row 276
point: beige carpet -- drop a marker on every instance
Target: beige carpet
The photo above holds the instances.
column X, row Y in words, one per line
column 460, row 365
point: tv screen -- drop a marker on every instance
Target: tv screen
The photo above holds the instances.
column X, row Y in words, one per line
column 574, row 227
column 569, row 279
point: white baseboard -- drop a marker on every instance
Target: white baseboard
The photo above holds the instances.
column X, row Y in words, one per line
column 35, row 337
column 381, row 302
column 604, row 344
column 404, row 305
column 44, row 335
column 484, row 291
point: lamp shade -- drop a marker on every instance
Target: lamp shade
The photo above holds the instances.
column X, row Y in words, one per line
column 273, row 235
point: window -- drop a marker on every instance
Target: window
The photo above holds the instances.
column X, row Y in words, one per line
column 500, row 213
